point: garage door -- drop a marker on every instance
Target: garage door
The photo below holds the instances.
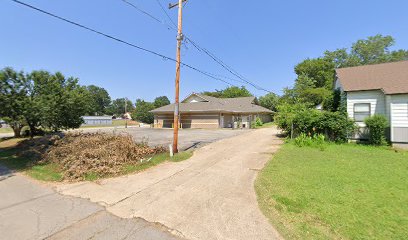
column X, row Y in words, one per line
column 399, row 116
column 199, row 121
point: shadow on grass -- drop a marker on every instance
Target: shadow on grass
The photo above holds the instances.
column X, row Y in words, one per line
column 16, row 156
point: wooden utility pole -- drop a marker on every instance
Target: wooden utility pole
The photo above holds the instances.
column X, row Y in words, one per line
column 126, row 100
column 178, row 63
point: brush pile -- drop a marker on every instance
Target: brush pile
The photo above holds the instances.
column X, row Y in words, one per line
column 78, row 154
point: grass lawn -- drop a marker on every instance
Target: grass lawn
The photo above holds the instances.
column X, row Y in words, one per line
column 6, row 130
column 50, row 172
column 267, row 125
column 344, row 192
column 115, row 123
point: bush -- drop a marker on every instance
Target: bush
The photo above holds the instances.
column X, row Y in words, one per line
column 295, row 120
column 376, row 125
column 304, row 140
column 257, row 123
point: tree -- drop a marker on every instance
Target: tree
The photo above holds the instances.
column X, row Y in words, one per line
column 99, row 100
column 376, row 49
column 319, row 72
column 269, row 101
column 56, row 102
column 230, row 92
column 41, row 99
column 142, row 112
column 13, row 98
column 161, row 101
column 117, row 107
column 315, row 77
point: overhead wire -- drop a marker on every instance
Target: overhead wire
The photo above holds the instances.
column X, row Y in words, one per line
column 212, row 55
column 121, row 41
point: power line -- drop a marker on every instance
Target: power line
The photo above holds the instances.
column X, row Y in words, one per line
column 165, row 12
column 212, row 56
column 147, row 14
column 225, row 66
column 121, row 41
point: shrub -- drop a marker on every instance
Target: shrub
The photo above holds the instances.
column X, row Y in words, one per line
column 295, row 120
column 257, row 123
column 304, row 140
column 376, row 125
column 336, row 126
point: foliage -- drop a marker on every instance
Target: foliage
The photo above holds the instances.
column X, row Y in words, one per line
column 230, row 92
column 99, row 100
column 41, row 99
column 317, row 140
column 311, row 194
column 257, row 123
column 269, row 101
column 13, row 98
column 56, row 102
column 315, row 77
column 298, row 119
column 377, row 125
column 161, row 101
column 117, row 107
column 142, row 112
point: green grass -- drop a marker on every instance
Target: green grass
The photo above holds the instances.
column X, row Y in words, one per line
column 267, row 125
column 43, row 172
column 344, row 192
column 156, row 160
column 6, row 130
column 115, row 123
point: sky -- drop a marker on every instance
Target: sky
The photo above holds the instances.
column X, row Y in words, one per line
column 262, row 40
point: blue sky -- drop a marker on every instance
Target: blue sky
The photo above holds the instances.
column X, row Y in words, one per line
column 263, row 40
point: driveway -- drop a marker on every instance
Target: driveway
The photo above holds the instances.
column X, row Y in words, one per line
column 187, row 137
column 209, row 196
column 30, row 210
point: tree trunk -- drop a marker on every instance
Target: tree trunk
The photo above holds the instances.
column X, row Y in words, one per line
column 17, row 131
column 32, row 130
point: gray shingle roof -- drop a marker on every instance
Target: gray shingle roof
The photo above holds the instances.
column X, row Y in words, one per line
column 392, row 78
column 231, row 105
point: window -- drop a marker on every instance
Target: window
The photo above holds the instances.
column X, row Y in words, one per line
column 361, row 111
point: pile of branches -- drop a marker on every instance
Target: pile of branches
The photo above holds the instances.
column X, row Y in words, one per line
column 79, row 154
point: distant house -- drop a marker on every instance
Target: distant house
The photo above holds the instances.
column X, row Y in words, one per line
column 97, row 120
column 201, row 111
column 377, row 89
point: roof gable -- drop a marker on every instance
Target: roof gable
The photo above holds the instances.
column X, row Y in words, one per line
column 194, row 98
column 203, row 103
column 391, row 78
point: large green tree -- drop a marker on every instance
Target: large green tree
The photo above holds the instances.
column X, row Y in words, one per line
column 13, row 98
column 269, row 101
column 315, row 77
column 230, row 92
column 99, row 100
column 142, row 112
column 117, row 107
column 161, row 101
column 41, row 99
column 60, row 102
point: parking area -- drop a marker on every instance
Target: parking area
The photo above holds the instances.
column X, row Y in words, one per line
column 188, row 138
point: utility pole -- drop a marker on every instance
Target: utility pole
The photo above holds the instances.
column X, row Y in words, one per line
column 178, row 61
column 126, row 100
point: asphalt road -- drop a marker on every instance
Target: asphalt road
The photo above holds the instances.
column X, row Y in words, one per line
column 30, row 210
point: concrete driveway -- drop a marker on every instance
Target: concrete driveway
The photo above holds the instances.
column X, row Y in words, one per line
column 209, row 196
column 187, row 137
column 29, row 210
